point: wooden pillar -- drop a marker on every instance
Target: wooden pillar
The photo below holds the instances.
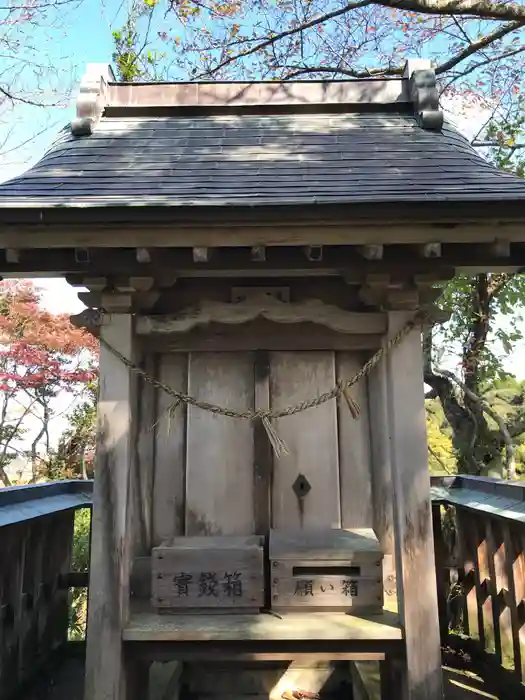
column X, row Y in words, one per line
column 382, row 475
column 112, row 533
column 412, row 514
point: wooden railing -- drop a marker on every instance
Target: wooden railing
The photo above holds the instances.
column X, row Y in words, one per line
column 36, row 536
column 479, row 534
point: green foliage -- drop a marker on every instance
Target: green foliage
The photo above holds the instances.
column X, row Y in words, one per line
column 505, row 323
column 506, row 135
column 441, row 457
column 80, row 562
column 80, row 554
column 74, row 455
column 133, row 60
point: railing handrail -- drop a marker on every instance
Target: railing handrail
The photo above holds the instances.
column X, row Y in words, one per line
column 20, row 503
column 29, row 492
column 495, row 487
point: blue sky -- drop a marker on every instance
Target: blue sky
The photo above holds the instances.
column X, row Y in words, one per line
column 81, row 35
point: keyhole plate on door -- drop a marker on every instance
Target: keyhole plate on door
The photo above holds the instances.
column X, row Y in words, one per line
column 301, row 486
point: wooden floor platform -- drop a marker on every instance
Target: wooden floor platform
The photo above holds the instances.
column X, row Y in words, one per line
column 290, row 627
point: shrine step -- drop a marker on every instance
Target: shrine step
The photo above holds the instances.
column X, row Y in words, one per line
column 263, row 680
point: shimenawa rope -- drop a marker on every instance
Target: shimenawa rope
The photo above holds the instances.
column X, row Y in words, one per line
column 266, row 415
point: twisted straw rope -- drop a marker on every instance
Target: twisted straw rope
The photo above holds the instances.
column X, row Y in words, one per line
column 266, row 415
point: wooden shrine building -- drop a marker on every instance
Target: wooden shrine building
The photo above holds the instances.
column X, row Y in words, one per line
column 247, row 248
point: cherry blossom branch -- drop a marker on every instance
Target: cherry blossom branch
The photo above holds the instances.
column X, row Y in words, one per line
column 282, row 35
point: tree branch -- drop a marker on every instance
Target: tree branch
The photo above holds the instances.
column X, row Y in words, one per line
column 282, row 35
column 459, row 418
column 476, row 46
column 349, row 72
column 470, row 8
column 297, row 70
column 510, row 462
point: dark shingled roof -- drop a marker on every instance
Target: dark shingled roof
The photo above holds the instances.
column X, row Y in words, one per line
column 259, row 160
column 178, row 145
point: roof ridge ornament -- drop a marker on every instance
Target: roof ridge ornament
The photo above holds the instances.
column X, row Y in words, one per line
column 424, row 94
column 92, row 98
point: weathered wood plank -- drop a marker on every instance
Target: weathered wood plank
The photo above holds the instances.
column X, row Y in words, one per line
column 291, row 234
column 441, row 570
column 468, row 565
column 412, row 516
column 382, row 488
column 492, row 587
column 112, row 533
column 262, row 449
column 208, row 573
column 245, row 628
column 12, row 543
column 497, row 544
column 512, row 570
column 259, row 335
column 161, row 651
column 354, row 448
column 145, row 468
column 311, row 437
column 170, row 444
column 263, row 305
column 219, row 455
column 53, row 618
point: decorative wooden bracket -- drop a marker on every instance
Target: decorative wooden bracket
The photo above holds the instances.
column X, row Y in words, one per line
column 424, row 94
column 90, row 319
column 92, row 98
column 267, row 307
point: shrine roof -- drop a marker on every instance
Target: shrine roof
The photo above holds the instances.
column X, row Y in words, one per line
column 258, row 145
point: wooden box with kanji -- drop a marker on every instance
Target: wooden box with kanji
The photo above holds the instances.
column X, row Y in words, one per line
column 208, row 574
column 326, row 570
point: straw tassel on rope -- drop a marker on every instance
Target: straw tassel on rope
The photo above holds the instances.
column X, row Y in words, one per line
column 342, row 388
column 278, row 444
column 353, row 406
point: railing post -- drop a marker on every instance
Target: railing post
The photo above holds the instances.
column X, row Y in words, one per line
column 442, row 574
column 36, row 535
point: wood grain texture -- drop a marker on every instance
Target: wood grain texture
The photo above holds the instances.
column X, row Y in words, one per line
column 321, row 587
column 263, row 456
column 354, row 448
column 145, row 467
column 112, row 532
column 144, row 626
column 468, row 576
column 267, row 307
column 170, row 445
column 259, row 335
column 492, row 589
column 412, row 516
column 512, row 555
column 311, row 437
column 208, row 577
column 357, row 545
column 219, row 461
column 382, row 489
column 441, row 569
column 296, row 234
column 497, row 546
column 12, row 546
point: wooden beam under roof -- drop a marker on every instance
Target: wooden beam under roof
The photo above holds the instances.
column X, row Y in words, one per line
column 167, row 264
column 114, row 235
